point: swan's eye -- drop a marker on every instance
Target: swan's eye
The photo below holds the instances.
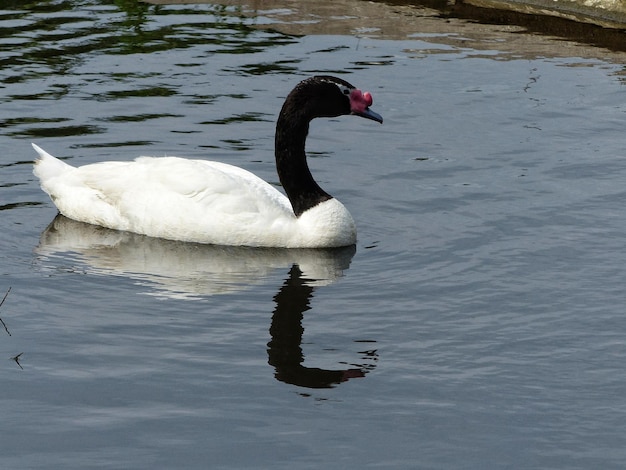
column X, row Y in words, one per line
column 344, row 89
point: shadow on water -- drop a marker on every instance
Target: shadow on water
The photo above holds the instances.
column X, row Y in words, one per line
column 192, row 271
column 396, row 18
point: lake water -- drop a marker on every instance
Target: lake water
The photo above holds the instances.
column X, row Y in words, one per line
column 478, row 323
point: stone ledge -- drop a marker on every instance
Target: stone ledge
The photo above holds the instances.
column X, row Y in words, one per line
column 606, row 13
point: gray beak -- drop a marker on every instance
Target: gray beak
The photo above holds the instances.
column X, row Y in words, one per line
column 369, row 114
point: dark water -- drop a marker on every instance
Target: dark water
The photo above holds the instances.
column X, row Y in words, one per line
column 478, row 323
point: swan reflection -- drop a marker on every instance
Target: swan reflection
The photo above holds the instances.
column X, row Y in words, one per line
column 186, row 270
column 285, row 351
column 178, row 269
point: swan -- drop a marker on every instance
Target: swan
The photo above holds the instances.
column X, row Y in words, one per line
column 216, row 203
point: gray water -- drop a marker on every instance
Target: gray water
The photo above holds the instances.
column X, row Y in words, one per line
column 478, row 323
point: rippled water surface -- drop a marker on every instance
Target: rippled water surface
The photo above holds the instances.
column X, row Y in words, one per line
column 478, row 323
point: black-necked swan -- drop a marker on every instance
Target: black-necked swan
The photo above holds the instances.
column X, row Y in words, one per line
column 211, row 202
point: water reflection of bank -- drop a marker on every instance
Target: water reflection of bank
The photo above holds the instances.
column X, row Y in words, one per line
column 469, row 23
column 608, row 13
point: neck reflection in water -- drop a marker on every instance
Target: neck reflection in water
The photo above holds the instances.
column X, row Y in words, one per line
column 177, row 270
column 285, row 350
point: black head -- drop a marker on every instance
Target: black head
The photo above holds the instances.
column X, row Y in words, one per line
column 327, row 96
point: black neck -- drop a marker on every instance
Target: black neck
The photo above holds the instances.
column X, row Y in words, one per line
column 294, row 174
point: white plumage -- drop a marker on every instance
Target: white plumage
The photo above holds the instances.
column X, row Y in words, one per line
column 190, row 200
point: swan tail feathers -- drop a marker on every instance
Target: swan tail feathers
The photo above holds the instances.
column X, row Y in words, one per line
column 47, row 166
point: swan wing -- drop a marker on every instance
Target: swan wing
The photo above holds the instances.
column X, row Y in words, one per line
column 170, row 197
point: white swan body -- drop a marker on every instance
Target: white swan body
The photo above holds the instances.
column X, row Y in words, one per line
column 211, row 202
column 190, row 200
